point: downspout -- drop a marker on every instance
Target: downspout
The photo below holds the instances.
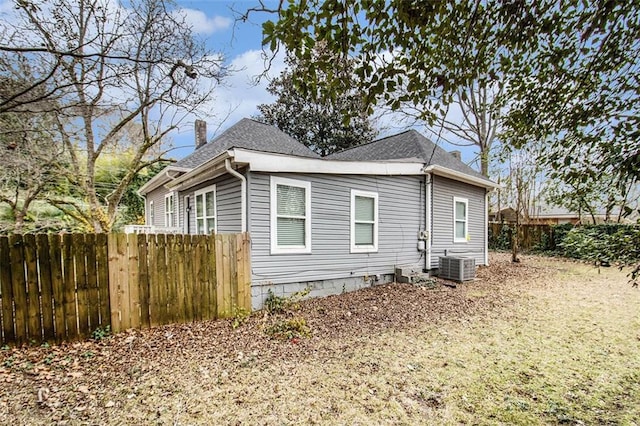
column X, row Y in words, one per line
column 486, row 228
column 427, row 220
column 243, row 193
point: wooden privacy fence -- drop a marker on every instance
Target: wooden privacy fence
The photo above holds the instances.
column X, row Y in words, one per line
column 531, row 236
column 63, row 287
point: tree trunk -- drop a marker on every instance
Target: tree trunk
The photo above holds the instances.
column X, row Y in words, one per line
column 19, row 221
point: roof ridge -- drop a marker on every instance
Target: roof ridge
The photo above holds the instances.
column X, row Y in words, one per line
column 371, row 142
column 422, row 143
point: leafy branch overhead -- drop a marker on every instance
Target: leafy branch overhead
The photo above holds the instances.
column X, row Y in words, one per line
column 317, row 119
column 570, row 69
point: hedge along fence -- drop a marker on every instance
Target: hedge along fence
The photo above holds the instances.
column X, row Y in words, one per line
column 63, row 287
column 531, row 236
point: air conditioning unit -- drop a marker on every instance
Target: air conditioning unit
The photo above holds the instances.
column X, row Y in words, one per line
column 457, row 268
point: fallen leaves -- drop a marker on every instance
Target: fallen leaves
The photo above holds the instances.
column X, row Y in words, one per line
column 78, row 381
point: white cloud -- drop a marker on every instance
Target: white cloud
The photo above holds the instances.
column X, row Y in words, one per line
column 237, row 98
column 201, row 23
column 241, row 93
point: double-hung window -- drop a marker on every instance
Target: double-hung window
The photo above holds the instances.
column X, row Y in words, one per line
column 364, row 221
column 151, row 213
column 169, row 210
column 206, row 210
column 460, row 220
column 290, row 216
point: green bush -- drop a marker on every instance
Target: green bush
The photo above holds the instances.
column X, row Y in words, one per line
column 502, row 241
column 559, row 232
column 289, row 328
column 602, row 244
column 280, row 304
column 587, row 244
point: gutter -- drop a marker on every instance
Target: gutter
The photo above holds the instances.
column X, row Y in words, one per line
column 160, row 179
column 193, row 174
column 243, row 193
column 459, row 176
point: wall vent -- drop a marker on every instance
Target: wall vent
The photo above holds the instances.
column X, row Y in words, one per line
column 457, row 268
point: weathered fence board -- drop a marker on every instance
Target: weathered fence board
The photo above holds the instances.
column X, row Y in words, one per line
column 82, row 302
column 19, row 288
column 46, row 288
column 93, row 294
column 143, row 280
column 34, row 326
column 69, row 288
column 102, row 265
column 57, row 278
column 6, row 291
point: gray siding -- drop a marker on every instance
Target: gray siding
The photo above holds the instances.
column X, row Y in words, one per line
column 157, row 196
column 443, row 192
column 401, row 216
column 227, row 204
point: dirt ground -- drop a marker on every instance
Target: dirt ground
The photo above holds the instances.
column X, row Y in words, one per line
column 543, row 341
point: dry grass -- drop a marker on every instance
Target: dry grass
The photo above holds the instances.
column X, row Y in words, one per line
column 545, row 341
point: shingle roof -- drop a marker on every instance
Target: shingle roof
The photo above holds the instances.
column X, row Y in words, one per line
column 248, row 134
column 406, row 145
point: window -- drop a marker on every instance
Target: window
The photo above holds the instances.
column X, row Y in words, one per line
column 364, row 221
column 206, row 210
column 151, row 213
column 460, row 221
column 290, row 216
column 169, row 211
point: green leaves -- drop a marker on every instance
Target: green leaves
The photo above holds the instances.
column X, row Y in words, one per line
column 322, row 108
column 570, row 69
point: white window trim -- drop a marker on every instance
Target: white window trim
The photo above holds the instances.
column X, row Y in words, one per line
column 466, row 220
column 168, row 223
column 203, row 191
column 152, row 213
column 370, row 248
column 275, row 249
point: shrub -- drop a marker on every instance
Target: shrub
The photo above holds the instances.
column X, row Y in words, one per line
column 602, row 244
column 502, row 241
column 101, row 333
column 240, row 316
column 280, row 304
column 289, row 328
column 587, row 244
column 559, row 232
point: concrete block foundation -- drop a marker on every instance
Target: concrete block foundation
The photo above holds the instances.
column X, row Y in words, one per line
column 323, row 288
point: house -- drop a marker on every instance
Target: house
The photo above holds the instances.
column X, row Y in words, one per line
column 550, row 214
column 333, row 224
column 508, row 215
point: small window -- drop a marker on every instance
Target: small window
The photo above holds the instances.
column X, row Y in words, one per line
column 460, row 220
column 206, row 210
column 364, row 222
column 169, row 210
column 290, row 216
column 151, row 213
